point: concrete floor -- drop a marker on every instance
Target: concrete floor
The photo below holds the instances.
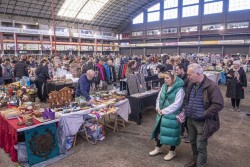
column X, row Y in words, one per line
column 229, row 147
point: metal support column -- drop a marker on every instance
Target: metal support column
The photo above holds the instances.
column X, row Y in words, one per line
column 54, row 26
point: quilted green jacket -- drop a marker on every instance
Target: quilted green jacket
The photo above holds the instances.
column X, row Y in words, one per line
column 169, row 127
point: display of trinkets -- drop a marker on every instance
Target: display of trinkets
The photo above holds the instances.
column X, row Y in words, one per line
column 61, row 97
column 14, row 95
column 104, row 111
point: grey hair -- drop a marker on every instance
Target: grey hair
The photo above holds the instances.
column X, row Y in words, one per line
column 236, row 62
column 197, row 68
column 90, row 72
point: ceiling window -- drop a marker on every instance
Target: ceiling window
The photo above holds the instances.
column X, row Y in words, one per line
column 138, row 19
column 170, row 14
column 235, row 5
column 213, row 7
column 170, row 9
column 154, row 8
column 70, row 8
column 153, row 16
column 189, row 2
column 91, row 8
column 190, row 8
column 154, row 13
column 170, row 4
column 81, row 9
column 190, row 11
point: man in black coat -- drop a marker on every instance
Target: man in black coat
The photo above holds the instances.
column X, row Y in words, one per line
column 21, row 69
column 42, row 75
column 180, row 72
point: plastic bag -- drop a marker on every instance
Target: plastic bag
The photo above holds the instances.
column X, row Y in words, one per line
column 21, row 152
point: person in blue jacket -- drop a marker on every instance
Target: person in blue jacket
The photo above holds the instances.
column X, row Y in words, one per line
column 84, row 84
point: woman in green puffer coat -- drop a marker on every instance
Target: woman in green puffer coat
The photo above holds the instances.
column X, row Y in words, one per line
column 168, row 105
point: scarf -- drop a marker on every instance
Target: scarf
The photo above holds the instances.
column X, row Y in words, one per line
column 236, row 74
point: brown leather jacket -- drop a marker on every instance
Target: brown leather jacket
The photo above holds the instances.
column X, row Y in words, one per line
column 213, row 103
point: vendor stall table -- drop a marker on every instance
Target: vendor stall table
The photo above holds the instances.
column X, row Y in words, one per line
column 138, row 102
column 70, row 123
column 9, row 134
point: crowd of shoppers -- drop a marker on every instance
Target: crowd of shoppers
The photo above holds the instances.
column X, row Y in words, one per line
column 184, row 88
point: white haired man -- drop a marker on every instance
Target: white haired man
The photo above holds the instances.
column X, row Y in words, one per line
column 202, row 102
column 84, row 83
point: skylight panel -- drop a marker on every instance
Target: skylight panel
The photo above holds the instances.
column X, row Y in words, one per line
column 235, row 5
column 81, row 9
column 138, row 19
column 70, row 8
column 89, row 10
column 170, row 4
column 154, row 8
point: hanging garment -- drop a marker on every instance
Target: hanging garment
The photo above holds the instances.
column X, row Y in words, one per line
column 100, row 68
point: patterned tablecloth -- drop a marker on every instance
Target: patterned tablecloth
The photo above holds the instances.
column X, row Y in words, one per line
column 8, row 134
column 70, row 123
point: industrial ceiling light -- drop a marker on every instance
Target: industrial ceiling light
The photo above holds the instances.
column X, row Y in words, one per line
column 24, row 26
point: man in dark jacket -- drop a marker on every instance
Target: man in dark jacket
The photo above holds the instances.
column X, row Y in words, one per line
column 180, row 72
column 42, row 75
column 84, row 83
column 21, row 69
column 89, row 65
column 202, row 103
column 185, row 63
